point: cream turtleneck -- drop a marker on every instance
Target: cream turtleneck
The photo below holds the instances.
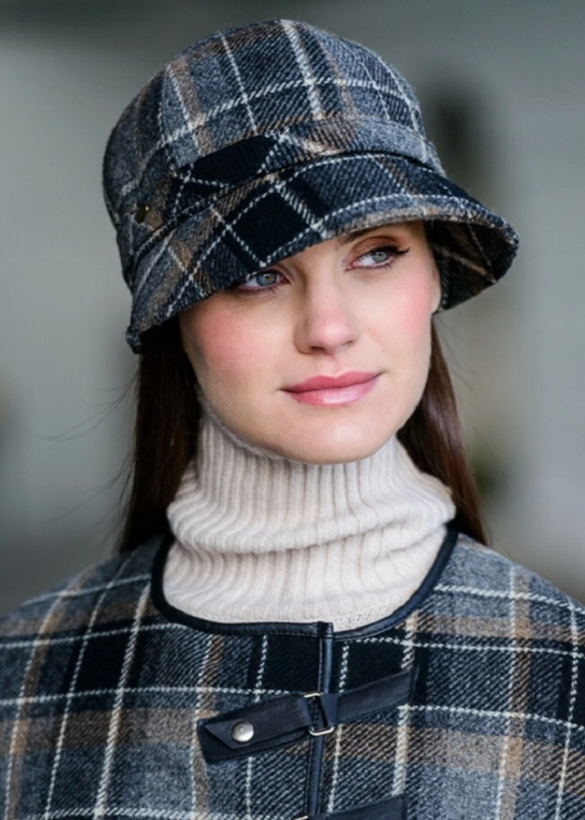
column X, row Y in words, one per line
column 261, row 538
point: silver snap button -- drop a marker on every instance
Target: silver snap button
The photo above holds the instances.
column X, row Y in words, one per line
column 242, row 731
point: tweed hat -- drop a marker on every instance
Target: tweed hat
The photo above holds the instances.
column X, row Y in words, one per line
column 256, row 143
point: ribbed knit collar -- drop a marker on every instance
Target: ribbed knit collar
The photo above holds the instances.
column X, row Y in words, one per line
column 262, row 538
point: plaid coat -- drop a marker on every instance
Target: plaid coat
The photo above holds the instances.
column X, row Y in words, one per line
column 469, row 702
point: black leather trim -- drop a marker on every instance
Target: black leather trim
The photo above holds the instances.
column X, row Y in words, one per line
column 395, row 690
column 312, row 630
column 393, row 809
column 415, row 601
column 317, row 744
column 271, row 720
column 288, row 719
column 315, row 629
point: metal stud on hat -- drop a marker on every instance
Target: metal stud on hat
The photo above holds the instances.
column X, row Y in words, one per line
column 256, row 143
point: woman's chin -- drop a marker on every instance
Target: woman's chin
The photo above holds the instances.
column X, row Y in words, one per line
column 332, row 447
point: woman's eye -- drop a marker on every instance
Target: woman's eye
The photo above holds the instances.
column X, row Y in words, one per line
column 261, row 281
column 378, row 257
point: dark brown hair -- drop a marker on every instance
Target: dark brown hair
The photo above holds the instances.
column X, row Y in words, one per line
column 434, row 440
column 167, row 419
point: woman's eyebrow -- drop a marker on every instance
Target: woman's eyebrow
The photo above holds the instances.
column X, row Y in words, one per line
column 346, row 238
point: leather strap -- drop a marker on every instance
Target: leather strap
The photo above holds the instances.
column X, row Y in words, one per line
column 394, row 809
column 292, row 718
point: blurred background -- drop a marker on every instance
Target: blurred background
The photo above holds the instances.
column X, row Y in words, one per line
column 502, row 85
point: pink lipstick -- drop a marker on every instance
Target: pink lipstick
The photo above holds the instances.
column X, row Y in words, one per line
column 331, row 391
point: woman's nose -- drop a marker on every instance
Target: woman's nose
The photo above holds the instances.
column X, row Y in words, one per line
column 327, row 320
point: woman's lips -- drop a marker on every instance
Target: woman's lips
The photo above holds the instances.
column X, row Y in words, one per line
column 328, row 391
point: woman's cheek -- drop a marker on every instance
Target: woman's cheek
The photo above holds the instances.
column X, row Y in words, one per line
column 409, row 320
column 210, row 341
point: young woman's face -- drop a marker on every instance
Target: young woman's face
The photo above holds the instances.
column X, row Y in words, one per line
column 324, row 356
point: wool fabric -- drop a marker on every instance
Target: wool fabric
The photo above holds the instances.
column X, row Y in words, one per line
column 256, row 143
column 262, row 538
column 104, row 689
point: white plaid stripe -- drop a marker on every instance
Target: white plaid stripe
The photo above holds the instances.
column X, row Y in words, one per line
column 244, row 97
column 499, row 714
column 455, row 589
column 378, row 91
column 480, row 248
column 70, row 694
column 74, row 591
column 22, row 700
column 562, row 735
column 102, row 792
column 368, row 204
column 213, row 690
column 179, row 97
column 283, row 138
column 71, row 639
column 204, row 118
column 211, row 101
column 303, row 143
column 399, row 186
column 146, row 273
column 447, row 253
column 412, row 107
column 196, row 809
column 512, row 682
column 305, row 69
column 256, row 699
column 298, row 206
column 338, row 731
column 229, row 227
column 401, row 764
column 122, row 811
column 141, row 814
column 481, row 649
column 572, row 700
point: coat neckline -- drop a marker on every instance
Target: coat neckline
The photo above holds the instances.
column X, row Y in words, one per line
column 313, row 629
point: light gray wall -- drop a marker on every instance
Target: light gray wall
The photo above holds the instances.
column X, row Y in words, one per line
column 66, row 71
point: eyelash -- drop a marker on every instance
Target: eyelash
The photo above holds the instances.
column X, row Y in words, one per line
column 392, row 251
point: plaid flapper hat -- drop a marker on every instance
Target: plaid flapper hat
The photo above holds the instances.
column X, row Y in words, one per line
column 254, row 144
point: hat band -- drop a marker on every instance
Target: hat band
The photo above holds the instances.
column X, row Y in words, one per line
column 196, row 187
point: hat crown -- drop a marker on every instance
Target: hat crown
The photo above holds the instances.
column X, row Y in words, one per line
column 281, row 79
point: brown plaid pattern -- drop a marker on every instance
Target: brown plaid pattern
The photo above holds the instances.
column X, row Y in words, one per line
column 256, row 143
column 101, row 692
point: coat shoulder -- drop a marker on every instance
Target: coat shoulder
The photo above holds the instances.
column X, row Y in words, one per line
column 73, row 603
column 477, row 580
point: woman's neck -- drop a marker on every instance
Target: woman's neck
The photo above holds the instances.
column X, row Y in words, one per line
column 261, row 538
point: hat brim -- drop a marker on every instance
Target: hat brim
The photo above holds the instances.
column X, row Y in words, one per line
column 282, row 213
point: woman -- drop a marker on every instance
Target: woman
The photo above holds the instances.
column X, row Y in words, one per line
column 301, row 622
